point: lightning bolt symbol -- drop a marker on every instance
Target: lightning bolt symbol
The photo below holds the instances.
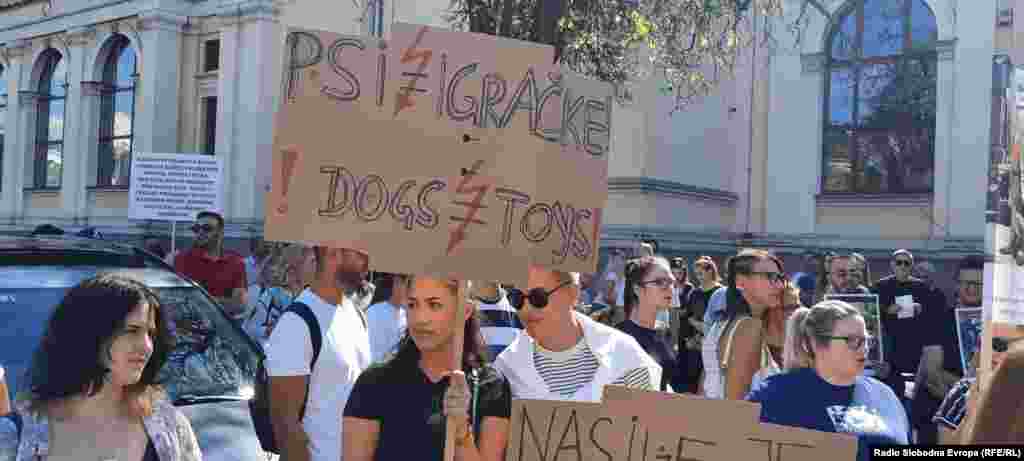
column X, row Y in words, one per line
column 472, row 207
column 404, row 99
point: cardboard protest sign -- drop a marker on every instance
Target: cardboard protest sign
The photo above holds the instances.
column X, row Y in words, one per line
column 632, row 425
column 441, row 153
column 711, row 429
column 869, row 309
column 969, row 324
column 545, row 430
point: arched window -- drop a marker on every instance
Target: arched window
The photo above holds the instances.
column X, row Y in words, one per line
column 49, row 152
column 117, row 114
column 879, row 134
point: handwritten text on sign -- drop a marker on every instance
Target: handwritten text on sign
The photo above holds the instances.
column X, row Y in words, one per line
column 426, row 153
column 174, row 187
column 612, row 431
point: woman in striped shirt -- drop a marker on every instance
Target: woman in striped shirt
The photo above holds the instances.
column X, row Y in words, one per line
column 565, row 355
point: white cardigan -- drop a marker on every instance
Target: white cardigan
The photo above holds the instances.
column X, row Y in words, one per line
column 617, row 353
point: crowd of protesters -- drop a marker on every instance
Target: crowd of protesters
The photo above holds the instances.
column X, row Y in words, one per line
column 360, row 365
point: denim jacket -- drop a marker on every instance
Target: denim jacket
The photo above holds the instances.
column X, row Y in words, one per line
column 166, row 427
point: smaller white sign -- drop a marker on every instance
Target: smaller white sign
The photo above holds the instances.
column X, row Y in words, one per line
column 175, row 187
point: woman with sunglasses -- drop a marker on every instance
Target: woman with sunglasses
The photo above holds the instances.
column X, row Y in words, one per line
column 563, row 354
column 398, row 409
column 955, row 413
column 823, row 387
column 734, row 350
column 649, row 289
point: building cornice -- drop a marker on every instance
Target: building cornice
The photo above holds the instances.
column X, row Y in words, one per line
column 673, row 240
column 248, row 11
column 162, row 20
column 641, row 185
column 874, row 200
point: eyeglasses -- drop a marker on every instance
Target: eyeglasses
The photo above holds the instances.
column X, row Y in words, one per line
column 903, row 262
column 773, row 277
column 204, row 228
column 855, row 343
column 1000, row 344
column 538, row 296
column 971, row 283
column 660, row 283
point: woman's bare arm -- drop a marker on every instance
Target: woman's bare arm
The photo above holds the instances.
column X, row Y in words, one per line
column 493, row 439
column 745, row 358
column 359, row 438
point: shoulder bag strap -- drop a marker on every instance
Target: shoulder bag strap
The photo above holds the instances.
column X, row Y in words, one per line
column 315, row 337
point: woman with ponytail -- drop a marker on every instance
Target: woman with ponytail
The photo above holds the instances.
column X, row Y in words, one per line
column 824, row 387
column 649, row 283
column 735, row 350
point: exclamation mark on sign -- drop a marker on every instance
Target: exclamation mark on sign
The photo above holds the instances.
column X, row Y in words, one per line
column 289, row 160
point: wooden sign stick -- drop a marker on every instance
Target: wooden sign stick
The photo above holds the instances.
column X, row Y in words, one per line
column 452, row 421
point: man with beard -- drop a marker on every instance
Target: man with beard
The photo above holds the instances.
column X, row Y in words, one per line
column 318, row 348
column 221, row 272
column 940, row 366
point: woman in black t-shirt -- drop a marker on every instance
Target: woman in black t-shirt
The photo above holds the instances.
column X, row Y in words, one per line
column 397, row 409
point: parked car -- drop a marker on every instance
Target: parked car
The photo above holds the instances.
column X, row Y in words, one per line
column 211, row 372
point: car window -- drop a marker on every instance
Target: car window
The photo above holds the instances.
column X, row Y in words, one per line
column 211, row 356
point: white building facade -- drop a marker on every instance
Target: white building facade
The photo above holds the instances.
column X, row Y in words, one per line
column 869, row 134
column 788, row 154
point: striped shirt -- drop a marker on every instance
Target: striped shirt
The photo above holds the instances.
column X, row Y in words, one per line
column 954, row 406
column 499, row 324
column 566, row 372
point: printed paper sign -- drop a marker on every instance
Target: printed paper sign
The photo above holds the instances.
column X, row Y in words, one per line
column 438, row 152
column 969, row 323
column 869, row 309
column 174, row 187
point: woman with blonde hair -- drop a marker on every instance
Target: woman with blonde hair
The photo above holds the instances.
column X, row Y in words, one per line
column 824, row 387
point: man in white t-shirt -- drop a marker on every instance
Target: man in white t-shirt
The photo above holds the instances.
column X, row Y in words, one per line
column 387, row 319
column 307, row 426
column 564, row 355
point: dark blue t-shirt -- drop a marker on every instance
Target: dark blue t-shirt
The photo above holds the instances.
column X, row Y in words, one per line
column 867, row 409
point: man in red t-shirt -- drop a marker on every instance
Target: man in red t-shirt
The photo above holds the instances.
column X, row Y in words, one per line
column 220, row 271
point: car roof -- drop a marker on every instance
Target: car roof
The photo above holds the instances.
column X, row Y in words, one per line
column 12, row 243
column 59, row 261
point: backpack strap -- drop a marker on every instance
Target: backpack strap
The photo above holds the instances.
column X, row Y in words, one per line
column 316, row 338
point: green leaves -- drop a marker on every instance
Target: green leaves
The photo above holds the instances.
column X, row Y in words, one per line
column 690, row 45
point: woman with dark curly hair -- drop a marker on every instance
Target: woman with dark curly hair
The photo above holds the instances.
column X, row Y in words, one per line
column 93, row 391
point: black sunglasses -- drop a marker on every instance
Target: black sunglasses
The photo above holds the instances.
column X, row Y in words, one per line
column 197, row 228
column 773, row 277
column 903, row 262
column 1000, row 344
column 538, row 297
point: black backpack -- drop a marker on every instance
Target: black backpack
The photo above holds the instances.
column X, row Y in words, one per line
column 259, row 406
